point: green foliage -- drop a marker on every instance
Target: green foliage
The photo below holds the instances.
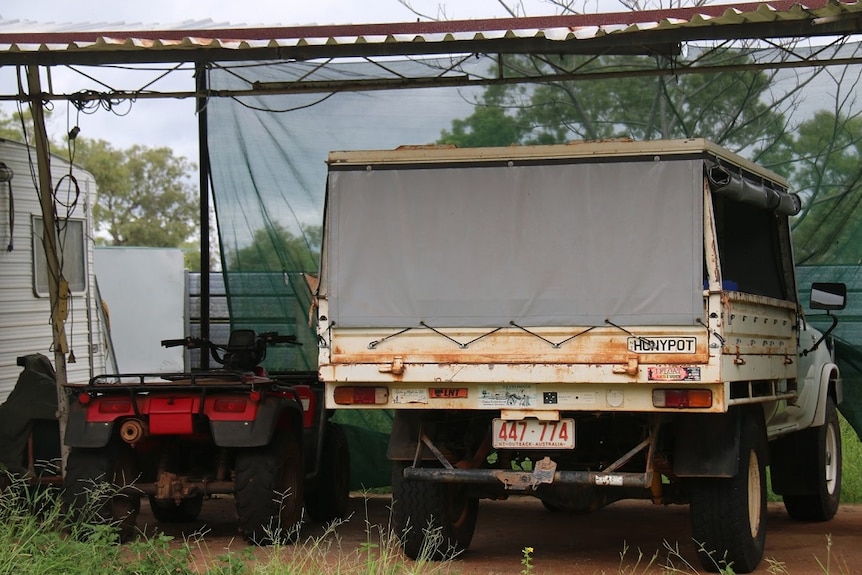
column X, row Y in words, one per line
column 145, row 198
column 851, row 477
column 727, row 108
column 491, row 124
column 11, row 126
column 275, row 248
column 827, row 172
column 30, row 541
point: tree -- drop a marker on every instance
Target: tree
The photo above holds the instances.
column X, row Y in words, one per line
column 277, row 249
column 827, row 172
column 145, row 196
column 12, row 127
column 731, row 108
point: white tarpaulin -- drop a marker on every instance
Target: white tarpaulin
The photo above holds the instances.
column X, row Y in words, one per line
column 538, row 245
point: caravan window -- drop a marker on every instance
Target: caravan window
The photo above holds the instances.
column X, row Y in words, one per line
column 70, row 251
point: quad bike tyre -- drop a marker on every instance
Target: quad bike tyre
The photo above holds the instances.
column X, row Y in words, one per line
column 330, row 498
column 93, row 477
column 269, row 490
column 434, row 520
column 823, row 445
column 728, row 515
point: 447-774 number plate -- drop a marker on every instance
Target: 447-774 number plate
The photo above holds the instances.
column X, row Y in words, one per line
column 533, row 434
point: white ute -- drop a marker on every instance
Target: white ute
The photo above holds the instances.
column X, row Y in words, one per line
column 582, row 323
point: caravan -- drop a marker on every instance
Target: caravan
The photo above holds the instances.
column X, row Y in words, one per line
column 25, row 305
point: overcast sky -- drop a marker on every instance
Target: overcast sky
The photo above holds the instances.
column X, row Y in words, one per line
column 251, row 12
column 172, row 123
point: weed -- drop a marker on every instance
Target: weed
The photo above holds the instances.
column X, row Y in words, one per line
column 527, row 561
column 638, row 566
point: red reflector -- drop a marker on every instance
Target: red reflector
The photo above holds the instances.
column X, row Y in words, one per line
column 254, row 396
column 230, row 405
column 680, row 398
column 361, row 395
column 308, row 399
column 115, row 405
column 84, row 398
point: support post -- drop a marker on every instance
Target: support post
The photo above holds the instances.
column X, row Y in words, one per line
column 58, row 288
column 203, row 163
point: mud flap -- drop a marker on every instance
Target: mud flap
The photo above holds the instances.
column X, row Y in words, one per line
column 83, row 433
column 790, row 472
column 707, row 445
column 257, row 432
column 404, row 437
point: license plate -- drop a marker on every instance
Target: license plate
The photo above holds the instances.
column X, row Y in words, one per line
column 534, row 434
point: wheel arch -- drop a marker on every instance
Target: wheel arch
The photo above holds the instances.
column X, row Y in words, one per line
column 830, row 386
column 272, row 414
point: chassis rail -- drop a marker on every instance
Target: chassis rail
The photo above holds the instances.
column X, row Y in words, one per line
column 524, row 480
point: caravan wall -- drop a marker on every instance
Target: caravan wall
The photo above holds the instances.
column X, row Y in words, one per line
column 25, row 314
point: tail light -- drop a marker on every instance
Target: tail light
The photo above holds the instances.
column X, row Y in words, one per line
column 115, row 405
column 231, row 405
column 350, row 395
column 682, row 398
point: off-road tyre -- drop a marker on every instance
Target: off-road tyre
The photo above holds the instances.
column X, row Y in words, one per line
column 269, row 490
column 330, row 498
column 728, row 516
column 170, row 512
column 93, row 479
column 823, row 445
column 435, row 521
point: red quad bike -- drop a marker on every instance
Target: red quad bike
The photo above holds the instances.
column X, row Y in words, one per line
column 179, row 438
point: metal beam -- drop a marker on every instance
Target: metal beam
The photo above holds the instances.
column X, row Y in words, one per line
column 460, row 80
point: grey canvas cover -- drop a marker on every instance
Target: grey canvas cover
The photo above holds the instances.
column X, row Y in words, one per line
column 540, row 245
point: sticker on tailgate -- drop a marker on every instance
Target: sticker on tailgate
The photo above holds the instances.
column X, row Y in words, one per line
column 673, row 373
column 508, row 396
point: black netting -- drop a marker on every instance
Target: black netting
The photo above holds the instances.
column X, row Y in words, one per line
column 848, row 334
column 268, row 158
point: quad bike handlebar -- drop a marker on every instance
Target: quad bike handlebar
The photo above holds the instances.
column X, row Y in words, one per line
column 245, row 349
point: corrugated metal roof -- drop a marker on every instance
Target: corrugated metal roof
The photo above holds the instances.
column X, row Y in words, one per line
column 22, row 41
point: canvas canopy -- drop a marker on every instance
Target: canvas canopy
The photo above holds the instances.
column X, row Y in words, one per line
column 466, row 246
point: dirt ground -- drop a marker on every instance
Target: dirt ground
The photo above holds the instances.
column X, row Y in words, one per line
column 577, row 544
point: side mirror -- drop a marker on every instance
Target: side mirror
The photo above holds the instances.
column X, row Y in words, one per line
column 828, row 296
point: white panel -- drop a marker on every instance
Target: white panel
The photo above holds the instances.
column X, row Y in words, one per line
column 144, row 289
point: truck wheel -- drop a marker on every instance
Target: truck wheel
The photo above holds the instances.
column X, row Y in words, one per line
column 728, row 516
column 93, row 477
column 331, row 496
column 269, row 490
column 824, row 443
column 435, row 521
column 167, row 511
